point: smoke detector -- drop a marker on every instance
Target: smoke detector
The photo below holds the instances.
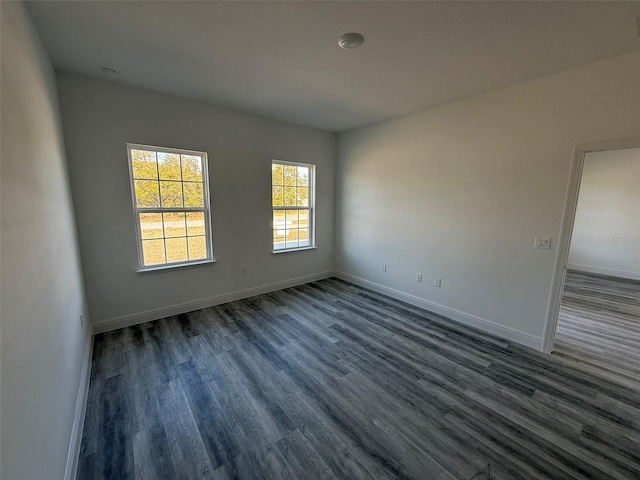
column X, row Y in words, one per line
column 109, row 72
column 350, row 40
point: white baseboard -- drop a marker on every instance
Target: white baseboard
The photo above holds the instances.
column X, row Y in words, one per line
column 78, row 420
column 158, row 313
column 604, row 271
column 468, row 319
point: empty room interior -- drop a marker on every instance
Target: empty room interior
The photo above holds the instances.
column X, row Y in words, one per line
column 320, row 240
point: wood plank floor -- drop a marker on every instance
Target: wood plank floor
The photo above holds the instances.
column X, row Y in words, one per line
column 331, row 381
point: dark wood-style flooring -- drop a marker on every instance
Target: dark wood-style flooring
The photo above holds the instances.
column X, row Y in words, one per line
column 331, row 381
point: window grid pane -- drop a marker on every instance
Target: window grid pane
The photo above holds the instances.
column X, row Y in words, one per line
column 147, row 193
column 144, row 165
column 176, row 249
column 174, row 224
column 290, row 174
column 277, row 172
column 169, row 166
column 193, row 194
column 151, row 226
column 277, row 196
column 292, row 238
column 195, row 224
column 197, row 247
column 153, row 252
column 191, row 168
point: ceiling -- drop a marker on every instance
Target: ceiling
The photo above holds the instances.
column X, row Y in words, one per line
column 281, row 59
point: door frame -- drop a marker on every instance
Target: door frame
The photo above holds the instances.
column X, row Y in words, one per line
column 566, row 230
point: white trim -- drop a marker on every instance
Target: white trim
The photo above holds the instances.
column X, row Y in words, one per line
column 566, row 229
column 604, row 271
column 78, row 421
column 311, row 207
column 158, row 313
column 297, row 249
column 167, row 266
column 458, row 316
column 153, row 148
column 206, row 208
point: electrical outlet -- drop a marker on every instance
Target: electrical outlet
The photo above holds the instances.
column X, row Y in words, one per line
column 543, row 243
column 244, row 270
column 437, row 282
column 418, row 277
column 384, row 267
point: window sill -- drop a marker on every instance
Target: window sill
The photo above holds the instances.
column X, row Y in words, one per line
column 290, row 250
column 174, row 265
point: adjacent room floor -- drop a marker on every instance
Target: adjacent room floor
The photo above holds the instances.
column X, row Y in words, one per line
column 329, row 380
column 599, row 327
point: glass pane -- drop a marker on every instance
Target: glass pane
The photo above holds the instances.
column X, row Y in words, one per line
column 292, row 238
column 302, row 197
column 277, row 196
column 278, row 241
column 303, row 237
column 193, row 196
column 303, row 219
column 290, row 196
column 292, row 219
column 144, row 164
column 303, row 176
column 278, row 219
column 176, row 250
column 152, row 252
column 192, row 168
column 197, row 248
column 195, row 223
column 146, row 193
column 174, row 225
column 169, row 166
column 171, row 194
column 277, row 172
column 151, row 225
column 290, row 174
column 279, row 229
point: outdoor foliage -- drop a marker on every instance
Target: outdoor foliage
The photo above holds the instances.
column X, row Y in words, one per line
column 290, row 185
column 170, row 180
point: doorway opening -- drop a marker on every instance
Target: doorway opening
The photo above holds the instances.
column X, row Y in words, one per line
column 594, row 307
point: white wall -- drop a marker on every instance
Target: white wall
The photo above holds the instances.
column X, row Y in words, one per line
column 606, row 232
column 99, row 118
column 460, row 192
column 44, row 346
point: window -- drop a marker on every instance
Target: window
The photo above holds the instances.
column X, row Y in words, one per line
column 171, row 205
column 292, row 197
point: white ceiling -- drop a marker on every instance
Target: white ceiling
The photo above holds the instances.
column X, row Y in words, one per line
column 281, row 59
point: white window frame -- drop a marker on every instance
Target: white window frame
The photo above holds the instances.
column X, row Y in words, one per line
column 206, row 209
column 311, row 208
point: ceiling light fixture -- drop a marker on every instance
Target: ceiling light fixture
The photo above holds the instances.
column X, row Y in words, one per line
column 109, row 72
column 350, row 40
